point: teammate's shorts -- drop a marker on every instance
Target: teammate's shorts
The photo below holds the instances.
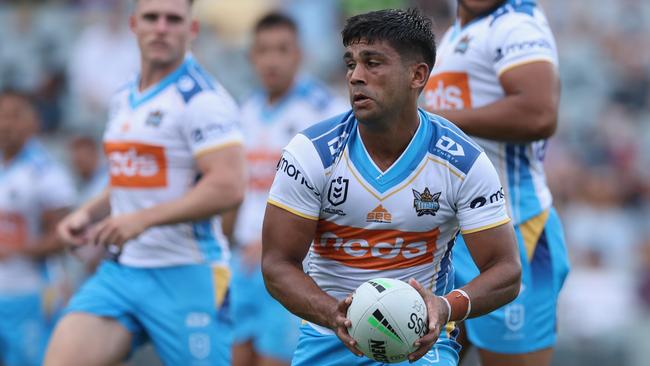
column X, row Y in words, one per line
column 23, row 330
column 528, row 323
column 317, row 349
column 258, row 317
column 180, row 309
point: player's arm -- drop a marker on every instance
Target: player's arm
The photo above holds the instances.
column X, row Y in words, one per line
column 72, row 229
column 527, row 112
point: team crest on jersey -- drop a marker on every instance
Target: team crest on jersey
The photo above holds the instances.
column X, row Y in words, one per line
column 154, row 119
column 463, row 45
column 338, row 191
column 426, row 203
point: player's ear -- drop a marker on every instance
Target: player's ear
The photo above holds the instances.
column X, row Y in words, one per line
column 195, row 28
column 420, row 75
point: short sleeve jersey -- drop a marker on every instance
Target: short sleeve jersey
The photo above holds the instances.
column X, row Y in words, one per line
column 267, row 129
column 466, row 75
column 30, row 184
column 152, row 141
column 399, row 223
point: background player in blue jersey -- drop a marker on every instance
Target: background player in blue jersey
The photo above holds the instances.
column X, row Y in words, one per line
column 175, row 159
column 287, row 102
column 35, row 193
column 389, row 55
column 497, row 79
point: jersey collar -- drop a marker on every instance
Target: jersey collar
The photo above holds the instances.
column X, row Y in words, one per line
column 137, row 98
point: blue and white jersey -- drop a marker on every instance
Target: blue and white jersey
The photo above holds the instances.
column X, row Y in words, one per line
column 466, row 75
column 398, row 223
column 267, row 129
column 152, row 141
column 30, row 184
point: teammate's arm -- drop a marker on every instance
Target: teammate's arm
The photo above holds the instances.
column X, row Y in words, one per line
column 220, row 189
column 528, row 111
column 286, row 238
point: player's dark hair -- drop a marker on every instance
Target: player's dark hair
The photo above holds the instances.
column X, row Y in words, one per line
column 273, row 20
column 407, row 31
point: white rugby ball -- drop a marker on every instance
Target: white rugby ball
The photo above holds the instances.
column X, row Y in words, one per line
column 387, row 317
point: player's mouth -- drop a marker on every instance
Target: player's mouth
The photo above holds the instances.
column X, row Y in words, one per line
column 360, row 100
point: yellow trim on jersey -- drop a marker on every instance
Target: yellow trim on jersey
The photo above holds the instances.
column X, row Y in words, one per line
column 221, row 282
column 490, row 226
column 448, row 167
column 521, row 63
column 213, row 148
column 531, row 230
column 287, row 208
column 449, row 327
column 347, row 162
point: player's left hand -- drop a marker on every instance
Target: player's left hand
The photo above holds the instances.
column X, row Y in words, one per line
column 437, row 313
column 117, row 230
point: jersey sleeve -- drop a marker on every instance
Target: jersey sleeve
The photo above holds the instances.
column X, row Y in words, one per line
column 212, row 122
column 521, row 39
column 55, row 189
column 481, row 201
column 299, row 179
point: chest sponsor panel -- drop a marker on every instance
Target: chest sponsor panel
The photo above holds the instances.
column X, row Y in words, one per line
column 13, row 230
column 374, row 249
column 448, row 90
column 262, row 166
column 136, row 165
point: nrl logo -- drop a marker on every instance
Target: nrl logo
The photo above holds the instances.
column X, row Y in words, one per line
column 426, row 203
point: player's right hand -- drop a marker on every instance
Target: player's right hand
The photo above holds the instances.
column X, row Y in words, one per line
column 72, row 229
column 340, row 325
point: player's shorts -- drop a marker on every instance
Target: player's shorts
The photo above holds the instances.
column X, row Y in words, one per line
column 317, row 349
column 23, row 330
column 258, row 317
column 528, row 323
column 182, row 310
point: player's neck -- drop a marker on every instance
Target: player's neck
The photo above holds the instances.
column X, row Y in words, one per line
column 387, row 139
column 151, row 73
column 9, row 153
column 274, row 96
column 465, row 16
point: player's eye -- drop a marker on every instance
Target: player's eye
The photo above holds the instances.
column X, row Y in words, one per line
column 174, row 19
column 350, row 65
column 372, row 63
column 150, row 17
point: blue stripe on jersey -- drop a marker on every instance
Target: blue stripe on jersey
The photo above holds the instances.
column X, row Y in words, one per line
column 305, row 89
column 330, row 136
column 401, row 169
column 452, row 145
column 445, row 281
column 529, row 202
column 206, row 240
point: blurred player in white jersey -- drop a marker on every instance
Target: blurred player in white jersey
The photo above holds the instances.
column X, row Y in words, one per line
column 35, row 193
column 382, row 191
column 286, row 103
column 497, row 79
column 176, row 160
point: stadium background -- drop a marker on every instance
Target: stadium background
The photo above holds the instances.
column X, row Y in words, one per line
column 71, row 54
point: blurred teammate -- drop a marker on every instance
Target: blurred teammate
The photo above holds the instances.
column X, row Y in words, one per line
column 176, row 160
column 382, row 191
column 287, row 103
column 35, row 194
column 497, row 79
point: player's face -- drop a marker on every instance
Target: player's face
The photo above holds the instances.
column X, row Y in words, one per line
column 378, row 80
column 17, row 122
column 479, row 6
column 276, row 58
column 164, row 29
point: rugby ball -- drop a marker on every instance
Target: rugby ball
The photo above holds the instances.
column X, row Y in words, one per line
column 387, row 317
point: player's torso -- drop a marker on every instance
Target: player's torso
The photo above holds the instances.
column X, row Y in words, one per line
column 150, row 163
column 20, row 217
column 399, row 224
column 465, row 76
